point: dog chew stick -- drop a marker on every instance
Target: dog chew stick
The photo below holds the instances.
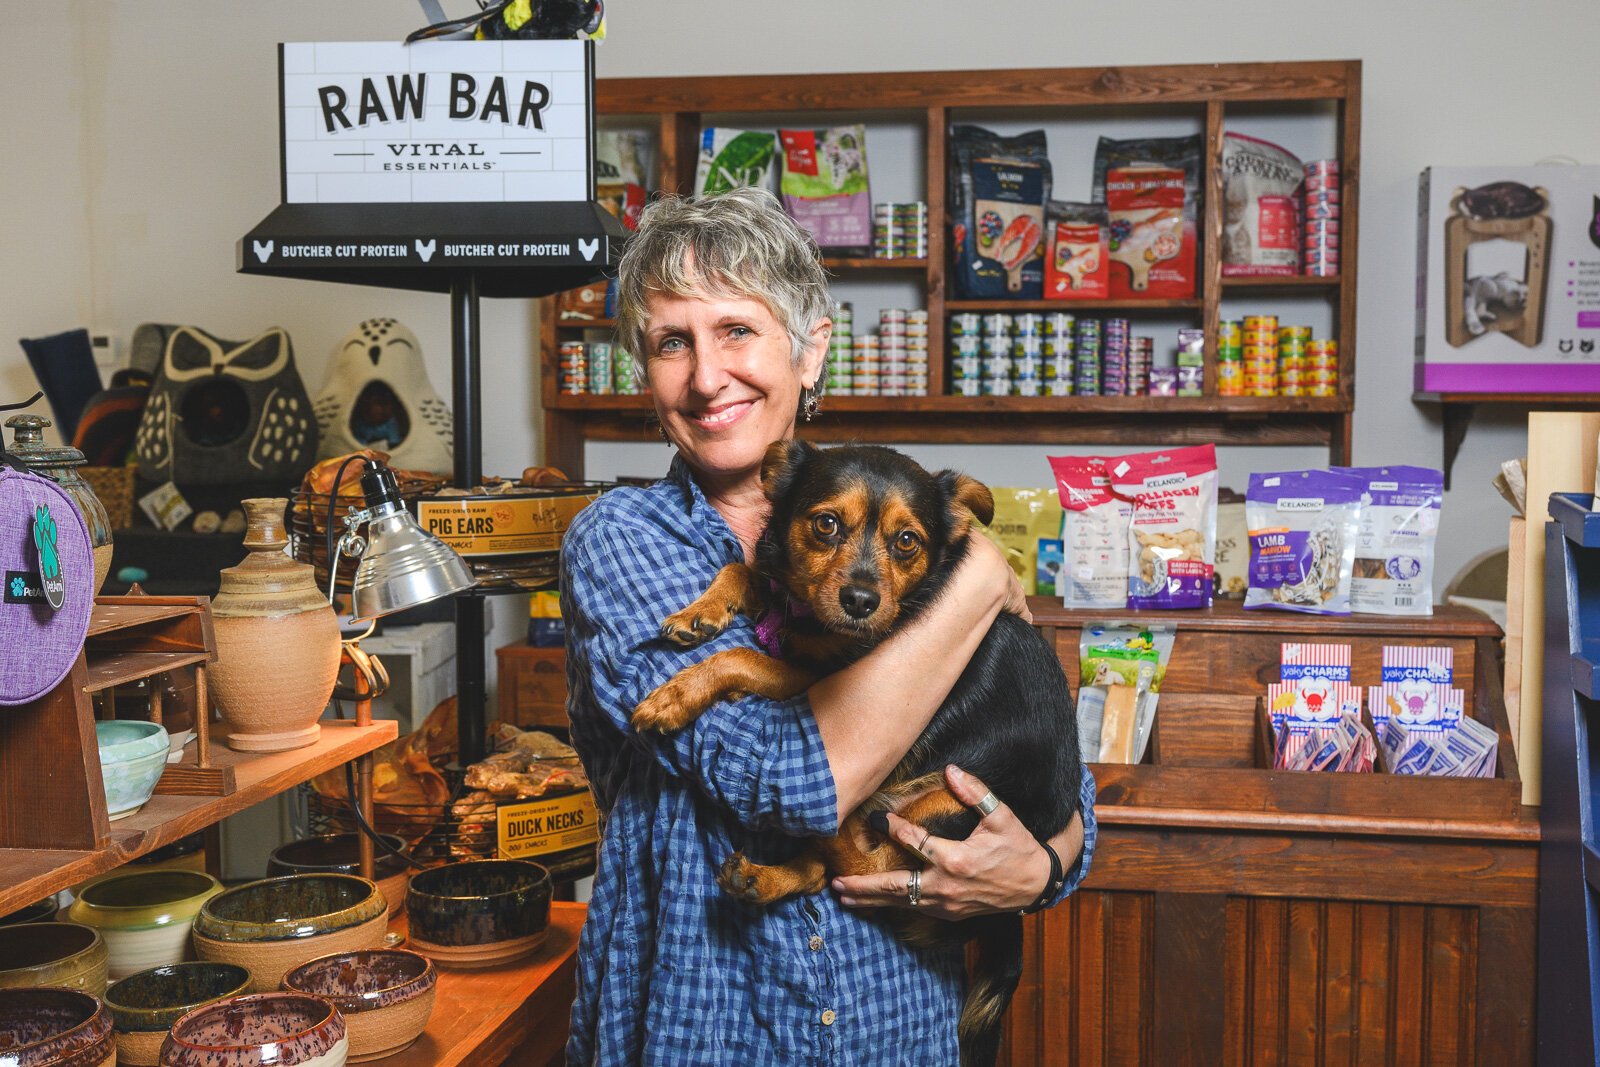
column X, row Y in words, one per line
column 1116, row 730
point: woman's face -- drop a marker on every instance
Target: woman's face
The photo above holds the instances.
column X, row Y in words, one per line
column 725, row 384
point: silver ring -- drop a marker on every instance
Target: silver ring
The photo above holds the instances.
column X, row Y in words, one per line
column 922, row 848
column 914, row 889
column 988, row 803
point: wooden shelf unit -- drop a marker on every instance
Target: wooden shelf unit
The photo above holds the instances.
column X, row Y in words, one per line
column 936, row 100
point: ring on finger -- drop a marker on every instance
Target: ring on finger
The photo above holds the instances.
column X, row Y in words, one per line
column 922, row 849
column 914, row 889
column 988, row 803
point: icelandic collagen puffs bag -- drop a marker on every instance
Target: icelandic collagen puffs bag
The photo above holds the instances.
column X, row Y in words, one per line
column 999, row 187
column 1172, row 533
column 1151, row 190
column 824, row 185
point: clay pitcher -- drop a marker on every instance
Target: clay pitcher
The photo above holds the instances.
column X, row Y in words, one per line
column 277, row 641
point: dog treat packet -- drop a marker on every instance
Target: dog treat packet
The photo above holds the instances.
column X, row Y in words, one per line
column 1094, row 534
column 1303, row 528
column 1151, row 190
column 1297, row 662
column 824, row 185
column 1419, row 663
column 1120, row 670
column 1024, row 518
column 998, row 188
column 1172, row 532
column 732, row 159
column 1079, row 265
column 1261, row 207
column 1317, row 727
column 1395, row 548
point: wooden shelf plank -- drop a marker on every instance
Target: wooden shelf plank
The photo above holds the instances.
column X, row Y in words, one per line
column 120, row 668
column 1226, row 616
column 872, row 263
column 586, row 324
column 1157, row 406
column 1295, row 281
column 26, row 875
column 107, row 617
column 1073, row 306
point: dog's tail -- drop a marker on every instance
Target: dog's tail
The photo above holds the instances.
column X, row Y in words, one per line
column 996, row 970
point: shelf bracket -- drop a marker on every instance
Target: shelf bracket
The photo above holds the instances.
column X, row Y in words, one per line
column 1457, row 417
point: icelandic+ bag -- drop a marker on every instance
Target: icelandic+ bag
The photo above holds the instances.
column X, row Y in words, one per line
column 999, row 189
column 1172, row 533
column 1303, row 527
column 1396, row 547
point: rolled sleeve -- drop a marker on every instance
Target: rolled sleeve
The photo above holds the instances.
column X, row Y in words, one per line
column 762, row 760
column 1091, row 832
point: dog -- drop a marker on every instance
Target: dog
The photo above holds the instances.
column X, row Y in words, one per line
column 860, row 541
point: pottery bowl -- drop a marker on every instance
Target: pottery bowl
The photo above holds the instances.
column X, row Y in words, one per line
column 145, row 1005
column 478, row 913
column 281, row 1029
column 341, row 854
column 53, row 954
column 132, row 756
column 145, row 916
column 55, row 1027
column 278, row 923
column 385, row 996
column 40, row 911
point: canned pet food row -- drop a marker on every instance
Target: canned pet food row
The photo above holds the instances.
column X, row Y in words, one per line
column 597, row 368
column 900, row 231
column 1321, row 205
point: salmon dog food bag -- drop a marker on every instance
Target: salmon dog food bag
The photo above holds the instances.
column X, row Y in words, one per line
column 1079, row 264
column 999, row 187
column 1151, row 190
column 1172, row 532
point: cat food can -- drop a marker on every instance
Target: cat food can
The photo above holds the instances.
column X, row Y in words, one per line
column 997, row 324
column 1058, row 387
column 1322, row 228
column 1058, row 324
column 966, row 346
column 1323, row 268
column 1286, row 389
column 1230, row 333
column 1027, row 387
column 1324, row 390
column 1027, row 324
column 1230, row 379
column 997, row 346
column 1028, row 346
column 1322, row 210
column 1294, row 333
column 965, row 368
column 965, row 324
column 996, row 386
column 1027, row 367
column 892, row 315
column 917, row 315
column 1324, row 347
column 1261, row 322
column 969, row 387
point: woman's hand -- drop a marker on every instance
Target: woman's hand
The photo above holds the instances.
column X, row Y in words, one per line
column 986, row 567
column 1000, row 868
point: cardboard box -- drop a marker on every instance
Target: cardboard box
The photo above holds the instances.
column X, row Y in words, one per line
column 1508, row 280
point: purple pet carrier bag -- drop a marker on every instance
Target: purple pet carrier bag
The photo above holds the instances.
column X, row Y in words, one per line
column 38, row 644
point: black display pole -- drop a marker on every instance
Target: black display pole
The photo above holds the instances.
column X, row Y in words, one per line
column 467, row 414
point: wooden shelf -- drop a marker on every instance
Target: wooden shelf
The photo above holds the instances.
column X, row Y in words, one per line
column 120, row 668
column 872, row 263
column 26, row 875
column 589, row 324
column 1457, row 409
column 1229, row 616
column 1073, row 306
column 1294, row 281
column 1015, row 405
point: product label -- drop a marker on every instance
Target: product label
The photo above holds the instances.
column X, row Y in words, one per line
column 507, row 526
column 23, row 587
column 1279, row 556
column 540, row 827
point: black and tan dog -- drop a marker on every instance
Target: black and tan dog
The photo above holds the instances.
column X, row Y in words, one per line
column 860, row 541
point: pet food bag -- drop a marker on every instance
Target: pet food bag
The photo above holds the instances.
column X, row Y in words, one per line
column 999, row 187
column 1023, row 519
column 1094, row 534
column 824, row 185
column 1303, row 529
column 1151, row 190
column 621, row 169
column 732, row 159
column 1172, row 532
column 1079, row 265
column 1261, row 207
column 1395, row 548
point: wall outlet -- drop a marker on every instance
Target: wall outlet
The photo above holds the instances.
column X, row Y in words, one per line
column 107, row 352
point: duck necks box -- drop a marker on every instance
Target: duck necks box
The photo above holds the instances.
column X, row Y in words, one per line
column 1508, row 280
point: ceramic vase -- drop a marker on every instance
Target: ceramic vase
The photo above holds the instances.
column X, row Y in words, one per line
column 277, row 641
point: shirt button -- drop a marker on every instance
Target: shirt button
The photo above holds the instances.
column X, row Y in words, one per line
column 828, row 1017
column 815, row 944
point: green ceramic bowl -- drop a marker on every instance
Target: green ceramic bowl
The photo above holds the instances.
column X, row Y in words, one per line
column 295, row 906
column 145, row 1005
column 132, row 756
column 121, row 740
column 145, row 916
column 53, row 954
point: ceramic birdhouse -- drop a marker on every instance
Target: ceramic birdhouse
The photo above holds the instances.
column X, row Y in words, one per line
column 377, row 395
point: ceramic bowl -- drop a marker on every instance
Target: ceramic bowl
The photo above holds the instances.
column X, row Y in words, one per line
column 278, row 923
column 132, row 756
column 341, row 854
column 385, row 996
column 40, row 911
column 55, row 1027
column 144, row 916
column 53, row 954
column 479, row 913
column 281, row 1029
column 145, row 1005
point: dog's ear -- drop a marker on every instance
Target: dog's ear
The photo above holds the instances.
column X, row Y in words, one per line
column 781, row 466
column 967, row 499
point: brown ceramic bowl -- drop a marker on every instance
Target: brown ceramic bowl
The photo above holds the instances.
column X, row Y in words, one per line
column 276, row 924
column 55, row 1028
column 145, row 1005
column 280, row 1029
column 479, row 913
column 341, row 854
column 53, row 954
column 385, row 996
column 40, row 911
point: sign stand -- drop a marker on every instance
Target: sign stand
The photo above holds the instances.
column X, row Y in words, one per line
column 467, row 248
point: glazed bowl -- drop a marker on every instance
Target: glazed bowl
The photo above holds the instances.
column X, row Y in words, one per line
column 341, row 854
column 40, row 911
column 278, row 923
column 145, row 1005
column 53, row 954
column 55, row 1027
column 479, row 913
column 385, row 996
column 145, row 916
column 132, row 756
column 281, row 1029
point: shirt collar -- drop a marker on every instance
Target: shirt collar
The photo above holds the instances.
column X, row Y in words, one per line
column 701, row 514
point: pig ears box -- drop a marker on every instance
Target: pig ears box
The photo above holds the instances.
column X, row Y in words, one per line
column 504, row 525
column 559, row 833
column 1508, row 280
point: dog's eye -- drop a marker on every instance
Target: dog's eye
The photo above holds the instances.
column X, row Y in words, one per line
column 826, row 526
column 907, row 544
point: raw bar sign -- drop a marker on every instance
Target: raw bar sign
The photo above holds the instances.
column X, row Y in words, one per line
column 436, row 122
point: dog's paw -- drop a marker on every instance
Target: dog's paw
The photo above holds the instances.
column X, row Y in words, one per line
column 664, row 710
column 697, row 624
column 746, row 881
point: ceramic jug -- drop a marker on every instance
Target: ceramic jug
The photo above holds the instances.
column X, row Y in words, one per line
column 61, row 465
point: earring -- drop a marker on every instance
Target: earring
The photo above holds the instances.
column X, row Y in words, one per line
column 661, row 431
column 810, row 401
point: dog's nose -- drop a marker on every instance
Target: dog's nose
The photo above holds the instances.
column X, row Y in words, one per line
column 857, row 602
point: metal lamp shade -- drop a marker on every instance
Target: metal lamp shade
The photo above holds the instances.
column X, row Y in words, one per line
column 404, row 566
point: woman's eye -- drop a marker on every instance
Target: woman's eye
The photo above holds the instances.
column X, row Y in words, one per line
column 907, row 543
column 827, row 526
column 671, row 346
column 739, row 332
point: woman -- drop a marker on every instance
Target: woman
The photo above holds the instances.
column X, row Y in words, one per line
column 725, row 303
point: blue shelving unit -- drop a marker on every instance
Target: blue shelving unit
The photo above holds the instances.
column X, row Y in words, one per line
column 1569, row 850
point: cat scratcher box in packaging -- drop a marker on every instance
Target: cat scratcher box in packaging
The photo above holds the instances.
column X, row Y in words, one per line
column 1508, row 280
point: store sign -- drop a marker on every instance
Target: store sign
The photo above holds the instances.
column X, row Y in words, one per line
column 499, row 526
column 541, row 827
column 436, row 122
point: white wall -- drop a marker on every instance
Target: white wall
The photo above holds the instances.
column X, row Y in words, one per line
column 146, row 143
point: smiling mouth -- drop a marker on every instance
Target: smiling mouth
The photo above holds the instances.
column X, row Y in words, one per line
column 722, row 415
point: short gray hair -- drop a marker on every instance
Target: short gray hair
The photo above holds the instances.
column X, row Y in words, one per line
column 739, row 243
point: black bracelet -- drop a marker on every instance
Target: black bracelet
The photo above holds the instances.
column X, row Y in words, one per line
column 1053, row 886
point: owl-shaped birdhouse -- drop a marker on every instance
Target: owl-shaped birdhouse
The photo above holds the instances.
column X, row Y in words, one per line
column 226, row 413
column 377, row 395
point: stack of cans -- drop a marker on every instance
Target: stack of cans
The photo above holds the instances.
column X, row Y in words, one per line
column 1230, row 358
column 1027, row 354
column 573, row 367
column 1114, row 356
column 841, row 352
column 995, row 376
column 624, row 375
column 1190, row 376
column 1322, row 218
column 1293, row 360
column 1261, row 355
column 1056, row 370
column 916, row 383
column 1141, row 359
column 1322, row 362
column 866, row 365
column 1086, row 356
column 900, row 231
column 600, row 368
column 966, row 354
column 903, row 350
column 1163, row 381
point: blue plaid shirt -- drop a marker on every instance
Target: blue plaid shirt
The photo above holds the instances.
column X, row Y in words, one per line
column 670, row 969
